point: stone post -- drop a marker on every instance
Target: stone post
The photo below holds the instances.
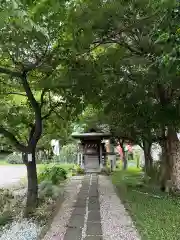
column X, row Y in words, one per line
column 100, row 156
column 78, row 158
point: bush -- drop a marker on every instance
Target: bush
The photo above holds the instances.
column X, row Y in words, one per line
column 7, row 203
column 47, row 189
column 106, row 171
column 153, row 174
column 68, row 154
column 55, row 174
column 79, row 170
column 6, row 199
column 14, row 158
column 5, row 218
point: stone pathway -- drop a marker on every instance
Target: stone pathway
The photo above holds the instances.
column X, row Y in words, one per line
column 93, row 213
column 60, row 222
column 85, row 221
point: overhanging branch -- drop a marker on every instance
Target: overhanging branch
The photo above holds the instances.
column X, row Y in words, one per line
column 42, row 97
column 52, row 109
column 36, row 108
column 16, row 93
column 10, row 72
column 12, row 138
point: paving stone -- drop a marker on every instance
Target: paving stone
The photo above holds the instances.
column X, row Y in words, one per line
column 93, row 228
column 94, row 216
column 84, row 192
column 81, row 199
column 93, row 193
column 86, row 179
column 76, row 221
column 93, row 238
column 94, row 200
column 93, row 206
column 79, row 211
column 94, row 182
column 85, row 187
column 73, row 234
column 94, row 188
column 80, row 205
column 94, row 185
column 94, row 176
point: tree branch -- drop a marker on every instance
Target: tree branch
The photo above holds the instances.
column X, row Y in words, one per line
column 16, row 93
column 12, row 138
column 53, row 109
column 58, row 115
column 30, row 96
column 39, row 61
column 42, row 97
column 37, row 110
column 32, row 131
column 10, row 72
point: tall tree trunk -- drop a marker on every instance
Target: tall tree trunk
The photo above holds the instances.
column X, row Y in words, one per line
column 121, row 143
column 174, row 159
column 165, row 175
column 124, row 158
column 32, row 192
column 147, row 156
column 170, row 170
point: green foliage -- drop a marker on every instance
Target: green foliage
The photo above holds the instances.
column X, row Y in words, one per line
column 48, row 190
column 154, row 173
column 55, row 174
column 136, row 70
column 68, row 154
column 34, row 45
column 6, row 206
column 150, row 209
column 5, row 218
column 79, row 170
column 106, row 171
column 6, row 197
column 14, row 158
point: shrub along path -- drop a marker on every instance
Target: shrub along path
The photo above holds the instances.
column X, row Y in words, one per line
column 92, row 211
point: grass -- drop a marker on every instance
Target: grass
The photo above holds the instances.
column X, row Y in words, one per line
column 66, row 166
column 156, row 215
column 5, row 163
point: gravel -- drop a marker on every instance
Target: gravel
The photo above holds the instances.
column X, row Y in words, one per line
column 116, row 223
column 22, row 230
column 29, row 230
column 60, row 222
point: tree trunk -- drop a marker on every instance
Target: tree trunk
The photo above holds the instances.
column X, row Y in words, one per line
column 147, row 156
column 170, row 170
column 138, row 161
column 32, row 193
column 124, row 158
column 121, row 143
column 174, row 159
column 165, row 165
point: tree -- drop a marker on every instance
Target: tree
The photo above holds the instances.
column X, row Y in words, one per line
column 32, row 49
column 143, row 38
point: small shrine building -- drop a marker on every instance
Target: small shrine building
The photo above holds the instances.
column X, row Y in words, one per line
column 92, row 150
